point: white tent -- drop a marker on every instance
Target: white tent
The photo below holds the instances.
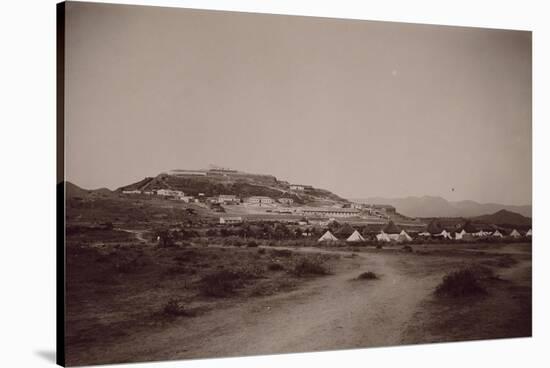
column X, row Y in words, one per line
column 328, row 237
column 498, row 234
column 529, row 233
column 383, row 237
column 515, row 234
column 445, row 234
column 460, row 235
column 482, row 233
column 425, row 233
column 404, row 237
column 355, row 237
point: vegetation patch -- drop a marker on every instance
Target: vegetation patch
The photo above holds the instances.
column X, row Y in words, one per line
column 367, row 276
column 462, row 283
column 311, row 266
column 175, row 307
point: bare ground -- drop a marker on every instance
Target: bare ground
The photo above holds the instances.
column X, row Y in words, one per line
column 339, row 312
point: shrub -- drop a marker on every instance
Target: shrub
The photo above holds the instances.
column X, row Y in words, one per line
column 407, row 248
column 224, row 283
column 174, row 307
column 275, row 267
column 310, row 266
column 461, row 283
column 379, row 246
column 261, row 251
column 367, row 276
column 282, row 252
column 252, row 244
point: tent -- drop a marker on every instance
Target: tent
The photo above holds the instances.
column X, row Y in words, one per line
column 515, row 234
column 445, row 234
column 404, row 237
column 460, row 235
column 355, row 237
column 529, row 233
column 328, row 237
column 383, row 237
column 498, row 234
column 391, row 228
column 425, row 233
column 481, row 233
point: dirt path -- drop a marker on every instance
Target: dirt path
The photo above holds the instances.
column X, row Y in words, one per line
column 137, row 233
column 333, row 312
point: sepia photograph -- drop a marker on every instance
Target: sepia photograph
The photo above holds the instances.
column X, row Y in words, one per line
column 234, row 184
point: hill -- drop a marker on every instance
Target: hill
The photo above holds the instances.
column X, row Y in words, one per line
column 503, row 218
column 238, row 183
column 429, row 206
column 74, row 191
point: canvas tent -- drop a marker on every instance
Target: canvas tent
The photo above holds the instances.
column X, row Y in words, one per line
column 404, row 237
column 498, row 234
column 529, row 233
column 515, row 234
column 383, row 237
column 328, row 237
column 425, row 233
column 459, row 235
column 445, row 234
column 355, row 237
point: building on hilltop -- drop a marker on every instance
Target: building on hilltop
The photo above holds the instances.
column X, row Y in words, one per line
column 330, row 212
column 300, row 187
column 227, row 199
column 259, row 200
column 287, row 201
column 231, row 220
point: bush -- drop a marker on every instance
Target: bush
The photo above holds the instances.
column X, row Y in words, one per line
column 275, row 267
column 310, row 266
column 174, row 307
column 282, row 252
column 407, row 248
column 252, row 244
column 367, row 276
column 461, row 283
column 379, row 246
column 224, row 283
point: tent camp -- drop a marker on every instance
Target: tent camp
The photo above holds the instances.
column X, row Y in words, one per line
column 355, row 237
column 383, row 237
column 498, row 234
column 529, row 233
column 328, row 237
column 404, row 237
column 392, row 231
column 515, row 234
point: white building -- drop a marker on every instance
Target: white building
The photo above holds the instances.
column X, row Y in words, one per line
column 131, row 192
column 260, row 200
column 231, row 220
column 330, row 212
column 170, row 193
column 300, row 187
column 227, row 199
column 288, row 201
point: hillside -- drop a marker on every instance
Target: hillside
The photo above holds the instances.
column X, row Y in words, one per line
column 74, row 191
column 241, row 184
column 504, row 217
column 428, row 206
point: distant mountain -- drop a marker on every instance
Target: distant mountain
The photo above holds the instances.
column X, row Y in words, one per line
column 74, row 191
column 504, row 217
column 428, row 206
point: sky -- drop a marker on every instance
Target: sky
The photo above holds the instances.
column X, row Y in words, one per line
column 357, row 107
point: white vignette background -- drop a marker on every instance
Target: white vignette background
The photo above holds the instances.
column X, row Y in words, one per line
column 27, row 184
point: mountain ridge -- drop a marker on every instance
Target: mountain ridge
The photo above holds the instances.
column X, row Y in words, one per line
column 434, row 206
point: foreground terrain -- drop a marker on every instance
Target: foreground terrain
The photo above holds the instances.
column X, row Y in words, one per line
column 132, row 301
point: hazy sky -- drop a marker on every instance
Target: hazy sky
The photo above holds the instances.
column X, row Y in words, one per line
column 357, row 107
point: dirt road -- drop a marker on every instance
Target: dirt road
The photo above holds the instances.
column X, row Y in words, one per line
column 332, row 312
